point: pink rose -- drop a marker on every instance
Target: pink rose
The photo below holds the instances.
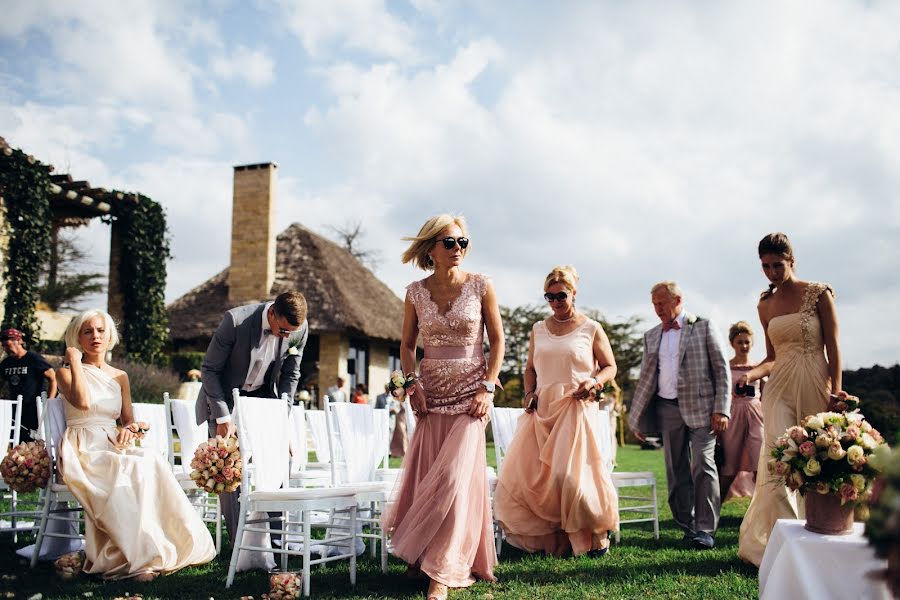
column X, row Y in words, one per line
column 782, row 441
column 847, row 493
column 853, row 432
column 228, row 473
column 223, row 452
column 798, row 434
column 808, row 449
column 782, row 468
column 219, row 478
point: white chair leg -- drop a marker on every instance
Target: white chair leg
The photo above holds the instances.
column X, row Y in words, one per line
column 307, row 542
column 45, row 514
column 372, row 529
column 384, row 551
column 236, row 548
column 655, row 513
column 353, row 545
column 218, row 526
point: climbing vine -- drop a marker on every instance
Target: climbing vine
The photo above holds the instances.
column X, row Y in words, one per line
column 142, row 275
column 24, row 186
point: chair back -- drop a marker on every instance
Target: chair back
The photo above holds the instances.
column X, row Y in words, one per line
column 504, row 421
column 181, row 423
column 53, row 414
column 263, row 427
column 318, row 432
column 10, row 421
column 383, row 435
column 154, row 415
column 299, row 444
column 410, row 418
column 353, row 437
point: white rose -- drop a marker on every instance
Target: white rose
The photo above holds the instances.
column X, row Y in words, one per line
column 293, row 351
column 859, row 482
column 836, row 452
column 815, row 422
column 868, row 442
column 812, row 468
column 855, row 454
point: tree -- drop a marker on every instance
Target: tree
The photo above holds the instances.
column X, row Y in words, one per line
column 62, row 284
column 349, row 235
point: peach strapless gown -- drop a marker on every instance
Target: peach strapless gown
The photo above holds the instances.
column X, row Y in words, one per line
column 441, row 515
column 555, row 493
column 137, row 518
column 797, row 387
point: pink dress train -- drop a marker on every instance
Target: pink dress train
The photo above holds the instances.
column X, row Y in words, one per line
column 742, row 441
column 440, row 518
column 555, row 494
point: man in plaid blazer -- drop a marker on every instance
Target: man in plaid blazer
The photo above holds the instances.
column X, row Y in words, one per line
column 684, row 392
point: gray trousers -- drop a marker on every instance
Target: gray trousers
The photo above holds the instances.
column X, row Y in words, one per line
column 690, row 470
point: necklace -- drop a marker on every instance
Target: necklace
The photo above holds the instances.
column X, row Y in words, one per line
column 574, row 314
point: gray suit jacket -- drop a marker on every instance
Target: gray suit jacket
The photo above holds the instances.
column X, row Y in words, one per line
column 227, row 361
column 704, row 379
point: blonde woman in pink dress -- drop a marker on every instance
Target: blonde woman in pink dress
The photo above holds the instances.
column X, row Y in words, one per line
column 137, row 521
column 440, row 521
column 742, row 441
column 555, row 494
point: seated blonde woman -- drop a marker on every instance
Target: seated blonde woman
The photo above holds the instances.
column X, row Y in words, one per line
column 138, row 522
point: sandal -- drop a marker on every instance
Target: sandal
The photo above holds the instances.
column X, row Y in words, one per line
column 437, row 591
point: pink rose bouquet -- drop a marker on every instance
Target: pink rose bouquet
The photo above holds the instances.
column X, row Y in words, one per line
column 284, row 586
column 69, row 566
column 828, row 453
column 138, row 428
column 26, row 467
column 217, row 466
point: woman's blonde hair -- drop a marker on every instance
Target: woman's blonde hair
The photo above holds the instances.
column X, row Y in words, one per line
column 739, row 328
column 78, row 322
column 421, row 244
column 564, row 274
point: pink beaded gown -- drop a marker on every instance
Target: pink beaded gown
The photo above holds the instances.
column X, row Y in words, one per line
column 555, row 494
column 440, row 518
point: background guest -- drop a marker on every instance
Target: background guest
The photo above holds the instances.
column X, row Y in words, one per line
column 25, row 374
column 337, row 392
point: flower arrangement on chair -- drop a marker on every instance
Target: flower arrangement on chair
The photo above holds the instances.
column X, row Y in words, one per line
column 26, row 467
column 216, row 466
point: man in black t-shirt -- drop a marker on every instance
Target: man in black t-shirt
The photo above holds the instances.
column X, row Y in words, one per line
column 24, row 373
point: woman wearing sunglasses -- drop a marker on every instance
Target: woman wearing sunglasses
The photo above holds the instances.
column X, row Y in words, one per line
column 555, row 494
column 440, row 521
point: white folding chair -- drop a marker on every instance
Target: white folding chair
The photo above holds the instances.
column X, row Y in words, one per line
column 19, row 521
column 410, row 419
column 504, row 421
column 354, row 435
column 264, row 432
column 646, row 509
column 154, row 415
column 57, row 502
column 318, row 433
column 382, row 445
column 183, row 436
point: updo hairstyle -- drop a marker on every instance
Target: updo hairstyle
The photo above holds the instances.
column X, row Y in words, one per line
column 739, row 328
column 564, row 274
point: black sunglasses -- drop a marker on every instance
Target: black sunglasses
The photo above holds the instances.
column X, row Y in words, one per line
column 450, row 242
column 559, row 296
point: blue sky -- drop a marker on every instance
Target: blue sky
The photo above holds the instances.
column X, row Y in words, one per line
column 638, row 141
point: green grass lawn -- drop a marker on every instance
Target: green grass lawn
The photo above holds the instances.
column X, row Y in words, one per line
column 640, row 567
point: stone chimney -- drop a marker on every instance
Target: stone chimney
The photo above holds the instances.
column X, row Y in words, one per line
column 252, row 270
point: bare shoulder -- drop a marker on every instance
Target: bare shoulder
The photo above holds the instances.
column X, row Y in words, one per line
column 117, row 374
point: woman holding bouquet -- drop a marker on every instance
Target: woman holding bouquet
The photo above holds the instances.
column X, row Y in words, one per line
column 555, row 494
column 440, row 522
column 138, row 522
column 803, row 362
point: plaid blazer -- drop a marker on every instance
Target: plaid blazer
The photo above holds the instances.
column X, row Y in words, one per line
column 704, row 379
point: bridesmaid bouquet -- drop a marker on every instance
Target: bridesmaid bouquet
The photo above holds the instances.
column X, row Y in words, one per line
column 284, row 586
column 26, row 467
column 138, row 428
column 216, row 466
column 828, row 453
column 399, row 383
column 68, row 566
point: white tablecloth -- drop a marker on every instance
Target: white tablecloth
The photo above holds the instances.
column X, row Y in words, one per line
column 801, row 564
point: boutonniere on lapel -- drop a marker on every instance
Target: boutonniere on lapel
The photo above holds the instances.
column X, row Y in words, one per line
column 691, row 319
column 293, row 348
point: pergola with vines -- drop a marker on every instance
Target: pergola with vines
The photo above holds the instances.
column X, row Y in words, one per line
column 34, row 203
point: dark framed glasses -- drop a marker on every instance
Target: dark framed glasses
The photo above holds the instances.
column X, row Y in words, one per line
column 558, row 296
column 450, row 242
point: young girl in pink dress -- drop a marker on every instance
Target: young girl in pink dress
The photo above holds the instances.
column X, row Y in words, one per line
column 742, row 441
column 440, row 521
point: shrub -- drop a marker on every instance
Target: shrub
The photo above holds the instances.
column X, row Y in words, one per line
column 148, row 382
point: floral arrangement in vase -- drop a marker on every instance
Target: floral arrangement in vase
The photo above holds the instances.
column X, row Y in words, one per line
column 828, row 453
column 217, row 466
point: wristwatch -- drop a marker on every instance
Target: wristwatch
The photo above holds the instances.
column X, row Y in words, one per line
column 490, row 386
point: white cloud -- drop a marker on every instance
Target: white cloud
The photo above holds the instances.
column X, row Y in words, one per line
column 366, row 25
column 255, row 67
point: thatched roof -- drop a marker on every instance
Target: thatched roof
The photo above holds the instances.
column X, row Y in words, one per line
column 342, row 294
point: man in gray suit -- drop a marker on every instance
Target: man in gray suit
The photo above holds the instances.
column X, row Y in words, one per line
column 257, row 349
column 684, row 392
